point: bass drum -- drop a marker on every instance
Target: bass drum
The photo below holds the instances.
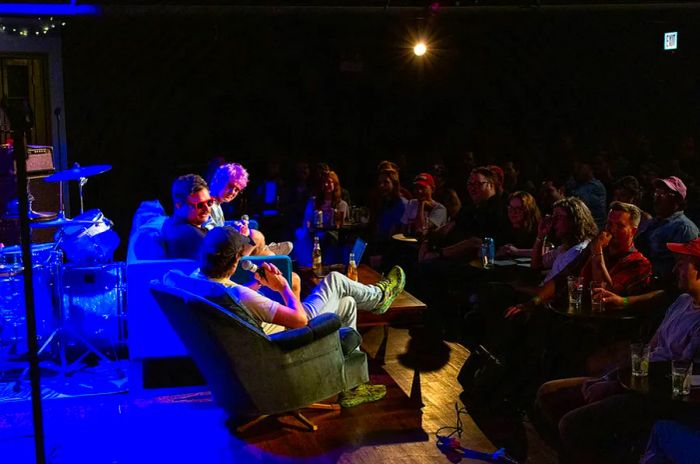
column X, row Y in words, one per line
column 89, row 244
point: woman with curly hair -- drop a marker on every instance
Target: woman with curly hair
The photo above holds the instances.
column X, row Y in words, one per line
column 572, row 226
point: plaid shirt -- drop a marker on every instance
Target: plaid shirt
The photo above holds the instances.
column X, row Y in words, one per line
column 630, row 273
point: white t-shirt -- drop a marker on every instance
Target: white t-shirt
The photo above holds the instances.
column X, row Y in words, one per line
column 564, row 258
column 437, row 217
column 259, row 306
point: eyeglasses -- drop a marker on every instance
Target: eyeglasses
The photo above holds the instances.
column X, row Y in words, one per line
column 201, row 204
column 478, row 183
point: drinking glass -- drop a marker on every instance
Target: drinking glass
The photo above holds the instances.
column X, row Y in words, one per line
column 640, row 359
column 597, row 304
column 681, row 370
column 575, row 285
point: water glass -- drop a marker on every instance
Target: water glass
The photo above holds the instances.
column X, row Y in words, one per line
column 575, row 284
column 597, row 304
column 640, row 359
column 681, row 371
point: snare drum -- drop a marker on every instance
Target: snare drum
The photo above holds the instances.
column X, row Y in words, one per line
column 90, row 244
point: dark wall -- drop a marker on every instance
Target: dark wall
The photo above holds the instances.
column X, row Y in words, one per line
column 160, row 96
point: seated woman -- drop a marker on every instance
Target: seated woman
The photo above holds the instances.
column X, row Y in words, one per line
column 524, row 217
column 334, row 211
column 423, row 214
column 227, row 182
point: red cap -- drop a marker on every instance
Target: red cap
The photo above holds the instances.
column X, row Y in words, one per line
column 690, row 248
column 673, row 183
column 425, row 180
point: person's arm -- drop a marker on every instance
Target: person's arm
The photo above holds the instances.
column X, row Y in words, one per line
column 543, row 229
column 292, row 314
column 543, row 294
column 599, row 270
column 469, row 247
column 614, row 301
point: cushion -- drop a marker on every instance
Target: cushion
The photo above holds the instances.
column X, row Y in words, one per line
column 147, row 240
column 289, row 340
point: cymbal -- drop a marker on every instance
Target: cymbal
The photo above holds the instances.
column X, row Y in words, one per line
column 76, row 172
column 33, row 215
column 63, row 222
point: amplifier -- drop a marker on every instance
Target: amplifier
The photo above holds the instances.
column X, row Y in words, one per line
column 40, row 159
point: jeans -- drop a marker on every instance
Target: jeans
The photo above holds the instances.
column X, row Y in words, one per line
column 339, row 295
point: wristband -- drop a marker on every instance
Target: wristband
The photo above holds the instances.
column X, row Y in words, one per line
column 625, row 302
column 536, row 300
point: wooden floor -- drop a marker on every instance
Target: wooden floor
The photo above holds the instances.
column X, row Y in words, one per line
column 187, row 426
column 440, row 363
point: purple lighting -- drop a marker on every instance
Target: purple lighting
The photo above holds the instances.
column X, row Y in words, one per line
column 67, row 9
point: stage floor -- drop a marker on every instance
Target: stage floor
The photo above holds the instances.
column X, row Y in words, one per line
column 184, row 426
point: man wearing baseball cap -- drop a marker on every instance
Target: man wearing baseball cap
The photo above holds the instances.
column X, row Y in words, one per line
column 586, row 430
column 669, row 225
column 423, row 213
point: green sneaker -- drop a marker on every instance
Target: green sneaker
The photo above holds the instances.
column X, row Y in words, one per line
column 391, row 285
column 363, row 393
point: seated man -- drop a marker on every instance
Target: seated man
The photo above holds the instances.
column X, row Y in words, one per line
column 610, row 258
column 226, row 183
column 669, row 225
column 223, row 249
column 183, row 233
column 594, row 415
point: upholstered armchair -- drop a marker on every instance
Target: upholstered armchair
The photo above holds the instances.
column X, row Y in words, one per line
column 250, row 373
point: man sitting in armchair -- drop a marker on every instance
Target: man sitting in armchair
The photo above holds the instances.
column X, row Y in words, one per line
column 221, row 252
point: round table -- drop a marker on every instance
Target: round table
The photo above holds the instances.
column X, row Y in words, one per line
column 657, row 384
column 584, row 312
column 403, row 238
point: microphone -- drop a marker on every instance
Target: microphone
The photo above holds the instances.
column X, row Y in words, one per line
column 252, row 267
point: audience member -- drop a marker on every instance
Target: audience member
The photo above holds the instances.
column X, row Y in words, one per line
column 387, row 207
column 423, row 214
column 443, row 194
column 551, row 191
column 669, row 225
column 485, row 217
column 584, row 185
column 524, row 218
column 627, row 190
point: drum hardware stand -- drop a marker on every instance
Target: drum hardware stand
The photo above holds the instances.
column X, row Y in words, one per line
column 58, row 335
column 81, row 182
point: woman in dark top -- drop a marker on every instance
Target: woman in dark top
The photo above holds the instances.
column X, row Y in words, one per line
column 523, row 218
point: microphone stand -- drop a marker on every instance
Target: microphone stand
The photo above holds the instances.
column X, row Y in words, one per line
column 20, row 126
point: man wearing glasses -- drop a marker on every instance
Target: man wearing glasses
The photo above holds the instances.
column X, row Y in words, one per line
column 669, row 225
column 184, row 232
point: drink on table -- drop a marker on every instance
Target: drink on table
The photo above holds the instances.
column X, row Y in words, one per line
column 640, row 359
column 352, row 268
column 488, row 252
column 575, row 284
column 316, row 258
column 597, row 304
column 680, row 377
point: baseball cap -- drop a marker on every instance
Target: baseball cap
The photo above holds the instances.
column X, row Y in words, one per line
column 673, row 183
column 689, row 248
column 425, row 180
column 224, row 242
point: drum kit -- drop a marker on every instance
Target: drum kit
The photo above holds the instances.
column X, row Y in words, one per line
column 79, row 292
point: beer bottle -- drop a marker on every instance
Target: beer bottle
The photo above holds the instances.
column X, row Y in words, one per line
column 316, row 257
column 352, row 268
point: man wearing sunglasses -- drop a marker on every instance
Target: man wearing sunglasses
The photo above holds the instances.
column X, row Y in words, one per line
column 183, row 233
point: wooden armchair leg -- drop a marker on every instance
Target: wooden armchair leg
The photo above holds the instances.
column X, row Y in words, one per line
column 332, row 406
column 243, row 427
column 301, row 418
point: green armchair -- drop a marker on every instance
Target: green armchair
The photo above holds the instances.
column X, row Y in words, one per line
column 241, row 363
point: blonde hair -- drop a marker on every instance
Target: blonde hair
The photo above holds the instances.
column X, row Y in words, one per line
column 226, row 172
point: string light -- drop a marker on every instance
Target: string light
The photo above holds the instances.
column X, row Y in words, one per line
column 26, row 28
